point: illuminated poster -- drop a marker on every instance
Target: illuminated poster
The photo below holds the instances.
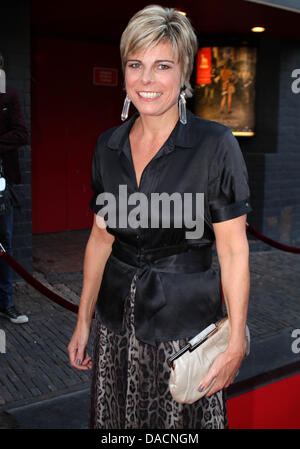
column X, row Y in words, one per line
column 225, row 87
column 204, row 66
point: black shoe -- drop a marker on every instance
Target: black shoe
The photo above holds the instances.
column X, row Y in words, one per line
column 13, row 315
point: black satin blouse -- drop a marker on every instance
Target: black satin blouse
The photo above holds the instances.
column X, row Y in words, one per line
column 178, row 293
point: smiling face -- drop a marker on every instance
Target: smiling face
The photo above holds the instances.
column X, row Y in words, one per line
column 153, row 80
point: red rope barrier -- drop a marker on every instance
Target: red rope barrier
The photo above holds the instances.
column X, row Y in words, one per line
column 73, row 307
column 35, row 283
column 290, row 249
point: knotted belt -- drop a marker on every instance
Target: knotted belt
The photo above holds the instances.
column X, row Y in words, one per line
column 149, row 263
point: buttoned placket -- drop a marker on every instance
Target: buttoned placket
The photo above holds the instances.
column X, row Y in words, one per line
column 144, row 180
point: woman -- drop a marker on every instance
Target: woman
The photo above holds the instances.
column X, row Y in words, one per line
column 228, row 88
column 157, row 286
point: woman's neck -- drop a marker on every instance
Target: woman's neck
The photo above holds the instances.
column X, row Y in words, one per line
column 151, row 127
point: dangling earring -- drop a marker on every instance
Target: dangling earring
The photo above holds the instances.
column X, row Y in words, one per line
column 125, row 109
column 182, row 107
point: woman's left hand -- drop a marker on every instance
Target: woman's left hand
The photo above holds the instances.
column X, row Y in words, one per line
column 224, row 369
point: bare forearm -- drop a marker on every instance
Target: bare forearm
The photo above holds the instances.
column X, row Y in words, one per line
column 95, row 258
column 236, row 286
column 233, row 254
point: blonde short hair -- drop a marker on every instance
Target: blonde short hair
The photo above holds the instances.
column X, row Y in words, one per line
column 155, row 24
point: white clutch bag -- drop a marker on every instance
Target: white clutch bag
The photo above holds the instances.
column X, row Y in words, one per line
column 190, row 364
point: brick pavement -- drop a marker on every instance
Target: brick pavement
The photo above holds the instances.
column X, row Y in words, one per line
column 35, row 365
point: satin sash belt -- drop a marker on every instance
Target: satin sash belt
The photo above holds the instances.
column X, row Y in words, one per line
column 150, row 296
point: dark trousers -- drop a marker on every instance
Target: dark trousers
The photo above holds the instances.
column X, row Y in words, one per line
column 6, row 274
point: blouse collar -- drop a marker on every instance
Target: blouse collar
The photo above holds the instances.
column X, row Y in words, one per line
column 181, row 136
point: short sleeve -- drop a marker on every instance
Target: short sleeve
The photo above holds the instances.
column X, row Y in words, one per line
column 228, row 189
column 96, row 179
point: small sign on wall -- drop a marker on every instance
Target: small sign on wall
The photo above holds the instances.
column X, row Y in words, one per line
column 105, row 76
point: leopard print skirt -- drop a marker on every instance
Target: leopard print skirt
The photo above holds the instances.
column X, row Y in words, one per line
column 129, row 385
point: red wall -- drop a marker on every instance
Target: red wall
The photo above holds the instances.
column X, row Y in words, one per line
column 275, row 406
column 68, row 114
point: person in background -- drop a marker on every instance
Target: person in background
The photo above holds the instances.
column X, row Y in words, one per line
column 228, row 86
column 13, row 134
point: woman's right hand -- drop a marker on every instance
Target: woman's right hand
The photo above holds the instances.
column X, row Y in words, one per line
column 98, row 249
column 78, row 356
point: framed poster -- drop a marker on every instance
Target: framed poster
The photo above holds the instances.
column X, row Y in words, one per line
column 225, row 87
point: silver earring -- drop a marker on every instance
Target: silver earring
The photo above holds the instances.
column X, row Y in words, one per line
column 182, row 108
column 125, row 109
